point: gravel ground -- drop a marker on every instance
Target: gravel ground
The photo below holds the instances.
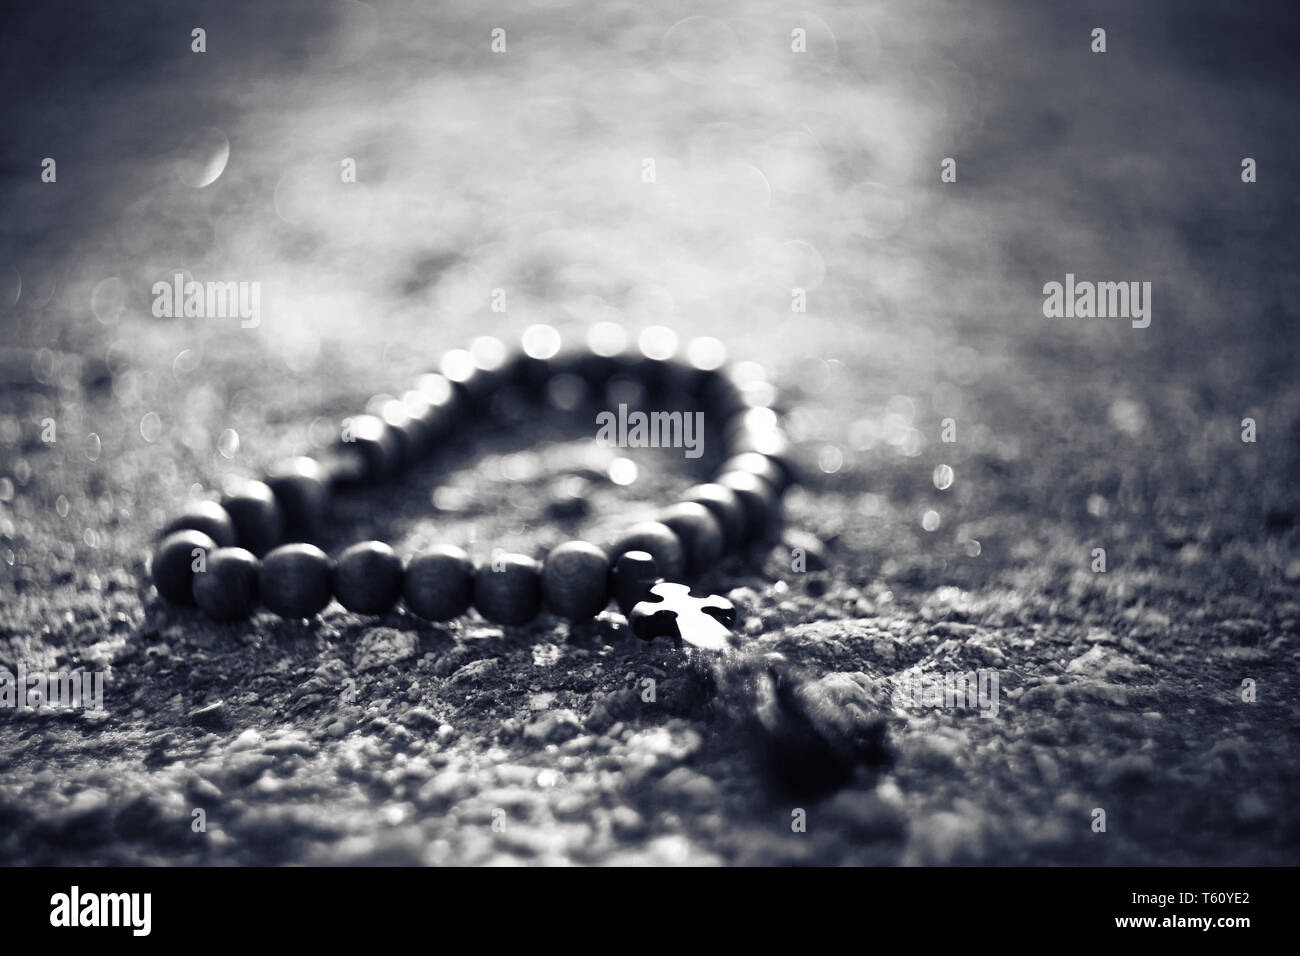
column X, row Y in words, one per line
column 361, row 740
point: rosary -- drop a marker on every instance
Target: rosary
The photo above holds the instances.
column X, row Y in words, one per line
column 249, row 548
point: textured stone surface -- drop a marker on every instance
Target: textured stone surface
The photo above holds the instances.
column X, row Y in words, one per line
column 1119, row 691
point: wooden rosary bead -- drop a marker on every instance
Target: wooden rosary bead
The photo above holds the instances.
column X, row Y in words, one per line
column 575, row 580
column 439, row 583
column 402, row 425
column 227, row 589
column 477, row 371
column 766, row 441
column 662, row 544
column 342, row 465
column 539, row 348
column 631, row 578
column 508, row 590
column 444, row 409
column 656, row 366
column 295, row 580
column 700, row 534
column 368, row 578
column 428, row 421
column 208, row 517
column 173, row 564
column 607, row 354
column 726, row 507
column 766, row 468
column 705, row 357
column 301, row 487
column 376, row 443
column 757, row 498
column 258, row 519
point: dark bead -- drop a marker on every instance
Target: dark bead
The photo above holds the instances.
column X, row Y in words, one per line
column 721, row 395
column 301, row 486
column 752, row 382
column 752, row 419
column 662, row 544
column 539, row 347
column 208, row 517
column 758, row 500
column 607, row 354
column 409, row 433
column 368, row 578
column 429, row 422
column 631, row 578
column 700, row 534
column 295, row 580
column 478, row 371
column 343, row 465
column 173, row 564
column 766, row 468
column 439, row 583
column 575, row 580
column 377, row 443
column 445, row 407
column 657, row 366
column 508, row 590
column 227, row 589
column 259, row 522
column 815, row 555
column 765, row 441
column 701, row 369
column 726, row 507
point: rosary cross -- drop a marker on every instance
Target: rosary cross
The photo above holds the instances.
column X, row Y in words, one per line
column 675, row 612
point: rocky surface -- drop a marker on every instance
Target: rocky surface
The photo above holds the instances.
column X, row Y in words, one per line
column 1162, row 691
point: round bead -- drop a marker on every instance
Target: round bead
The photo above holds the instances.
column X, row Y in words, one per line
column 508, row 590
column 173, row 564
column 409, row 433
column 424, row 419
column 227, row 589
column 439, row 583
column 444, row 406
column 770, row 442
column 662, row 544
column 699, row 532
column 539, row 349
column 756, row 498
column 607, row 354
column 656, row 366
column 208, row 517
column 295, row 580
column 723, row 397
column 725, row 506
column 258, row 520
column 477, row 371
column 766, row 468
column 301, row 487
column 368, row 578
column 376, row 442
column 575, row 580
column 631, row 578
column 342, row 465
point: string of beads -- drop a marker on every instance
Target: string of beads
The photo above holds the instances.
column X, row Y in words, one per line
column 248, row 549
